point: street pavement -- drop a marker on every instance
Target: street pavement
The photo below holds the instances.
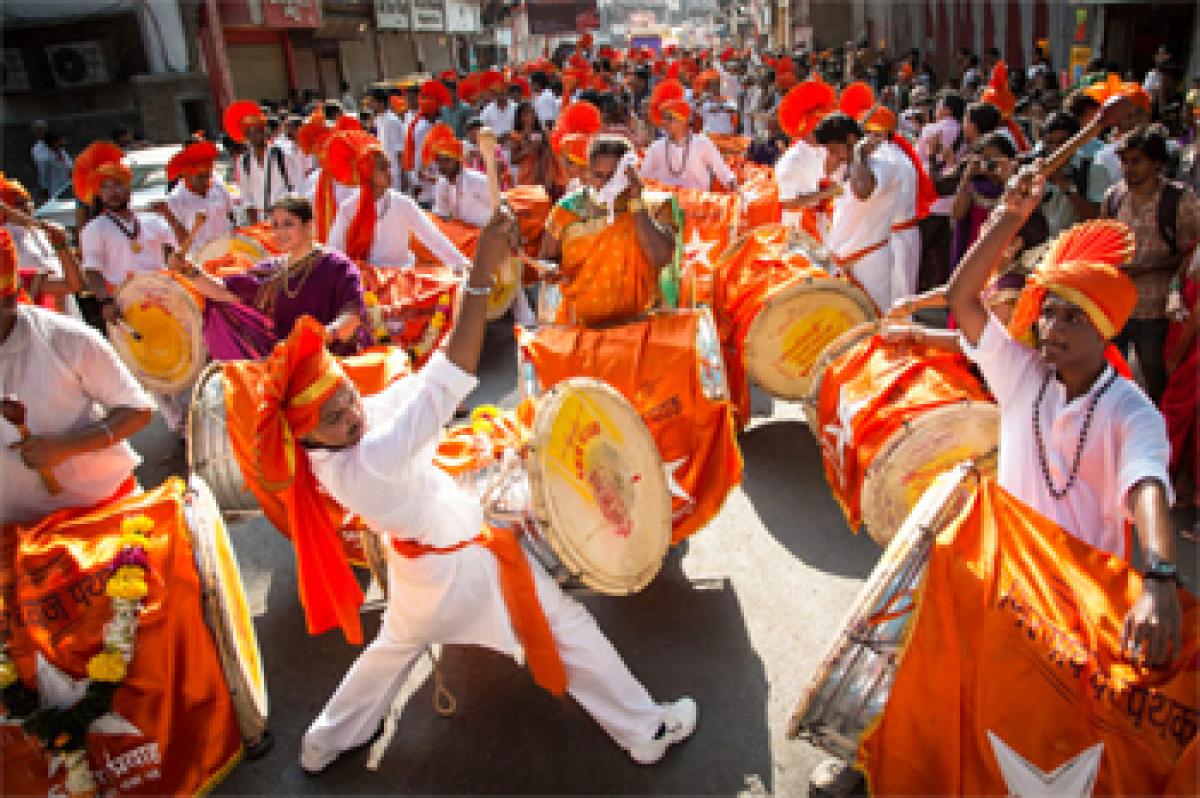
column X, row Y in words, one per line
column 738, row 618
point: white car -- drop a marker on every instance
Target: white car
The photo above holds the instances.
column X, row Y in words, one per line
column 148, row 187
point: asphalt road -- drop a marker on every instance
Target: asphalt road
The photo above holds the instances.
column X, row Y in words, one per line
column 738, row 619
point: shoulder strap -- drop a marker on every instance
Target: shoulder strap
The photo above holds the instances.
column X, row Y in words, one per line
column 287, row 181
column 1168, row 214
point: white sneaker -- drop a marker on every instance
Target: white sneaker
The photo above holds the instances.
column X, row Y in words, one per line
column 678, row 723
column 834, row 778
column 314, row 759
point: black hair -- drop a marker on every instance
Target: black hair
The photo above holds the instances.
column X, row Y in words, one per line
column 984, row 116
column 521, row 106
column 472, row 123
column 121, row 130
column 538, row 80
column 333, row 110
column 1079, row 103
column 1150, row 140
column 1000, row 142
column 955, row 103
column 295, row 205
column 1060, row 121
column 836, row 129
column 379, row 95
column 608, row 145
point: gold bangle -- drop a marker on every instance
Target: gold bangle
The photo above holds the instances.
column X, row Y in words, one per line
column 636, row 204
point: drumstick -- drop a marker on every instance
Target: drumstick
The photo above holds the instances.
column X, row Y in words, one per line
column 487, row 149
column 13, row 411
column 1104, row 119
column 186, row 244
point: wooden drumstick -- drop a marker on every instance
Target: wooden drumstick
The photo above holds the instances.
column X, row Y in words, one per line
column 19, row 216
column 186, row 244
column 487, row 149
column 13, row 411
column 1105, row 118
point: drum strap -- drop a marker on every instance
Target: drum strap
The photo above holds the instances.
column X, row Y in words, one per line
column 519, row 590
column 854, row 257
column 902, row 226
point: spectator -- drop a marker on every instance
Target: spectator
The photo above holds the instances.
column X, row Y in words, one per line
column 56, row 169
column 1066, row 201
column 984, row 173
column 936, row 144
column 349, row 101
column 40, row 153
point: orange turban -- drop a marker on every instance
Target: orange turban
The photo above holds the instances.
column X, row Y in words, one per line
column 398, row 103
column 879, row 119
column 491, row 79
column 440, row 140
column 300, row 376
column 804, row 106
column 313, row 134
column 195, row 158
column 12, row 192
column 575, row 148
column 523, row 85
column 668, row 97
column 346, row 122
column 706, row 77
column 1113, row 86
column 785, row 73
column 1000, row 96
column 241, row 115
column 469, row 88
column 1082, row 266
column 350, row 159
column 100, row 161
column 8, row 264
column 432, row 96
column 856, row 99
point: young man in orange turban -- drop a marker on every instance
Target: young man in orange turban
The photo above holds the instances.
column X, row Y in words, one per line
column 448, row 583
column 682, row 158
column 198, row 195
column 460, row 193
column 264, row 172
column 418, row 179
column 46, row 263
column 68, row 404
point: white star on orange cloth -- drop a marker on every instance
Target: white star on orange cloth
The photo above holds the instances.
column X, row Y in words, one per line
column 698, row 248
column 673, row 486
column 1075, row 778
column 843, row 431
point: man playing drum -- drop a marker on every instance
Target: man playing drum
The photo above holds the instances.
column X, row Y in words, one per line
column 682, row 158
column 449, row 583
column 48, row 268
column 197, row 196
column 56, row 448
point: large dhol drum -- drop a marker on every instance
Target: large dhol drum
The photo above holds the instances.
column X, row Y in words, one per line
column 161, row 334
column 851, row 685
column 193, row 693
column 889, row 418
column 584, row 484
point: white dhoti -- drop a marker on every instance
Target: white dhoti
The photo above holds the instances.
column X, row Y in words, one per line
column 874, row 272
column 906, row 262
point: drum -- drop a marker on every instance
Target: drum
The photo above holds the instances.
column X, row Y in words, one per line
column 587, row 489
column 832, row 351
column 506, row 283
column 889, row 418
column 195, row 672
column 851, row 685
column 669, row 368
column 161, row 335
column 237, row 246
column 210, row 456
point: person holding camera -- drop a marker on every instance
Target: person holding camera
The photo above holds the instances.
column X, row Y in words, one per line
column 980, row 185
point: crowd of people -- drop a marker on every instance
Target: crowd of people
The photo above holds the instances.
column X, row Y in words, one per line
column 933, row 195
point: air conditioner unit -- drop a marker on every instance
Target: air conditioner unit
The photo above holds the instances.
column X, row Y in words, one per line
column 13, row 76
column 77, row 64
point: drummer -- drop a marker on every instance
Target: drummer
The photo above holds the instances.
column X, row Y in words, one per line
column 682, row 158
column 49, row 271
column 79, row 403
column 198, row 198
column 374, row 225
column 325, row 193
column 448, row 583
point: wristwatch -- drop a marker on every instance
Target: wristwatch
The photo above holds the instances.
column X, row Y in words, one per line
column 1161, row 571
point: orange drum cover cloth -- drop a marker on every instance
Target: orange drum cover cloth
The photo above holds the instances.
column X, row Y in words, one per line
column 370, row 372
column 409, row 298
column 531, row 204
column 868, row 394
column 653, row 364
column 710, row 221
column 744, row 278
column 761, row 193
column 52, row 582
column 730, row 145
column 1014, row 668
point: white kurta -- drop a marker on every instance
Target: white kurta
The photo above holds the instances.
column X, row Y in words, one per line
column 466, row 199
column 106, row 249
column 546, row 106
column 417, row 176
column 390, row 132
column 692, row 165
column 857, row 224
column 906, row 244
column 799, row 171
column 216, row 206
column 341, row 192
column 68, row 377
column 390, row 481
column 1127, row 441
column 500, row 120
column 260, row 187
column 718, row 116
column 34, row 250
column 397, row 217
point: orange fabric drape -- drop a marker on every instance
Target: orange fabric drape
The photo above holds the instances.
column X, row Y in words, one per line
column 52, row 580
column 409, row 298
column 1015, row 646
column 868, row 394
column 653, row 365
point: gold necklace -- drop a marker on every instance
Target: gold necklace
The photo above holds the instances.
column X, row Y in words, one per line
column 302, row 267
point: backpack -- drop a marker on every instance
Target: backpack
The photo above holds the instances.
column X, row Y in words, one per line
column 1168, row 210
column 272, row 153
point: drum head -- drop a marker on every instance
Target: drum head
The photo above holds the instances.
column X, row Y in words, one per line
column 713, row 380
column 504, row 290
column 226, row 611
column 835, row 349
column 598, row 487
column 232, row 245
column 793, row 327
column 171, row 351
column 208, row 449
column 851, row 685
column 914, row 455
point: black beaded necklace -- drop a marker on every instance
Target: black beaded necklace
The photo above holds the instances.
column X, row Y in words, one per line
column 687, row 145
column 1077, row 461
column 131, row 233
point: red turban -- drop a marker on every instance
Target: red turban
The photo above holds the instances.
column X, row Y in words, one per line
column 100, row 161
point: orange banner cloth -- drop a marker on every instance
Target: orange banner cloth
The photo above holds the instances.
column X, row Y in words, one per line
column 653, row 364
column 52, row 602
column 730, row 144
column 370, row 372
column 761, row 192
column 710, row 222
column 868, row 394
column 1015, row 652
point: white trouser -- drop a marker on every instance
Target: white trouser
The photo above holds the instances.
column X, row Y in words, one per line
column 174, row 408
column 874, row 272
column 906, row 261
column 596, row 677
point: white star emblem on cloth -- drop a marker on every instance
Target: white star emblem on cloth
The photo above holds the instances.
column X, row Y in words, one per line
column 58, row 690
column 677, row 492
column 842, row 432
column 697, row 248
column 1075, row 778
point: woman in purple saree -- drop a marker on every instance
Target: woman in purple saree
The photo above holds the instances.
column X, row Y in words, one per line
column 247, row 313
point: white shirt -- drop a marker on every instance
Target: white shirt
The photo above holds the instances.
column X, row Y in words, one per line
column 906, row 190
column 417, row 175
column 1106, row 156
column 341, row 192
column 731, row 84
column 295, row 161
column 467, row 199
column 34, row 250
column 546, row 106
column 500, row 120
column 390, row 132
column 397, row 217
column 65, row 373
column 106, row 249
column 718, row 117
column 216, row 206
column 252, row 179
column 692, row 165
column 800, row 169
column 1127, row 441
column 40, row 151
column 857, row 224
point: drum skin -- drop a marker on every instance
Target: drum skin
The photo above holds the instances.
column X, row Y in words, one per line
column 170, row 352
column 850, row 687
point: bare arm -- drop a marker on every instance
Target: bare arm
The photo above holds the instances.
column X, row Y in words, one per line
column 862, row 179
column 1152, row 626
column 40, row 452
column 72, row 277
column 497, row 241
column 202, row 281
column 808, row 200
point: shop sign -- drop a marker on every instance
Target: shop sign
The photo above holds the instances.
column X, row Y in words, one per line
column 291, row 13
column 392, row 14
column 428, row 15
